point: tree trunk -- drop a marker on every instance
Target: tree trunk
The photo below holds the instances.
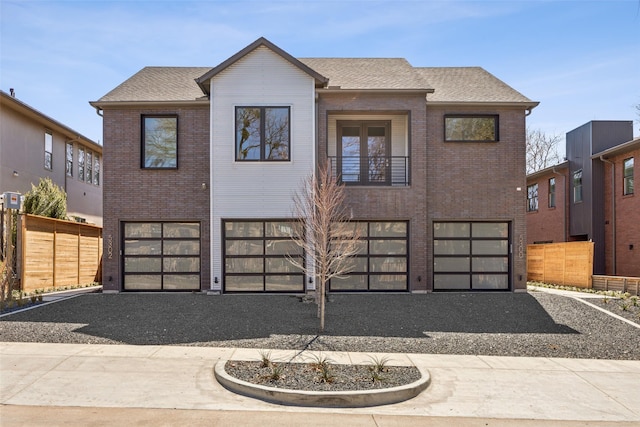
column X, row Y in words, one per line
column 321, row 306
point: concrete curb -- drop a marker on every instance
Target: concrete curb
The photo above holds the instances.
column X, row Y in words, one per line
column 327, row 399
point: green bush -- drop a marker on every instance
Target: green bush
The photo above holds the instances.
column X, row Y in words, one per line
column 47, row 199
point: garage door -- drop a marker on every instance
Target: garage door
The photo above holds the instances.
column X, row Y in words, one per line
column 382, row 262
column 161, row 256
column 256, row 257
column 471, row 256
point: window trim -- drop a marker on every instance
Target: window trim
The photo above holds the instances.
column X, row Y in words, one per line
column 81, row 163
column 96, row 169
column 575, row 187
column 69, row 159
column 262, row 109
column 552, row 192
column 496, row 126
column 532, row 199
column 48, row 155
column 363, row 164
column 626, row 178
column 143, row 118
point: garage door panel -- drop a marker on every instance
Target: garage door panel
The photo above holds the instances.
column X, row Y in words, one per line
column 257, row 256
column 383, row 249
column 486, row 265
column 161, row 256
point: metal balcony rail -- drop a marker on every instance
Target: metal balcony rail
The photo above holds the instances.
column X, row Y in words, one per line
column 372, row 170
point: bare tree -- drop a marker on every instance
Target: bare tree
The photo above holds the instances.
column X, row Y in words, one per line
column 542, row 150
column 325, row 233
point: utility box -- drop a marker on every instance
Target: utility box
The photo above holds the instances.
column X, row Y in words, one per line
column 12, row 200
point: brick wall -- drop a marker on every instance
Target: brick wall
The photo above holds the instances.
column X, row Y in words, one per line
column 449, row 181
column 627, row 220
column 135, row 194
column 548, row 224
column 387, row 203
column 479, row 181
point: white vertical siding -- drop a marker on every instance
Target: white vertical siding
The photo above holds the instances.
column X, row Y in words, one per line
column 257, row 189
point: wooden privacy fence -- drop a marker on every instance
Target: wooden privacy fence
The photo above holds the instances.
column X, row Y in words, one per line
column 568, row 263
column 56, row 253
column 617, row 283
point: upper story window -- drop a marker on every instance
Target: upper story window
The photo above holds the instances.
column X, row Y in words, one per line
column 532, row 198
column 69, row 159
column 364, row 153
column 552, row 192
column 263, row 134
column 96, row 169
column 80, row 164
column 470, row 128
column 48, row 150
column 159, row 142
column 89, row 163
column 577, row 186
column 627, row 173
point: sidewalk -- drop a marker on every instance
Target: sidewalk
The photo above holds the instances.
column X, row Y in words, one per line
column 75, row 384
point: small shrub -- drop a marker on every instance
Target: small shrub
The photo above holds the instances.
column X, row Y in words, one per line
column 322, row 365
column 624, row 306
column 377, row 367
column 276, row 372
column 265, row 359
column 379, row 364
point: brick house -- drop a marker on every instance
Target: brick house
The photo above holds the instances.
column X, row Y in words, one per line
column 591, row 197
column 202, row 164
column 34, row 145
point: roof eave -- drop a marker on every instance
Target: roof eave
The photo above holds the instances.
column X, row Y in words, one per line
column 49, row 122
column 115, row 104
column 389, row 90
column 520, row 104
column 625, row 147
column 547, row 170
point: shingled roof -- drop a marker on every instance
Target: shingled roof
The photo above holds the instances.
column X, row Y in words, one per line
column 159, row 84
column 469, row 84
column 448, row 84
column 368, row 73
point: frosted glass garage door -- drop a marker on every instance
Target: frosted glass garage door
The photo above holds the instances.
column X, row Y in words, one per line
column 161, row 256
column 471, row 256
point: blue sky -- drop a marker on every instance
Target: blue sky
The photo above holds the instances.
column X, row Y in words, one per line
column 579, row 59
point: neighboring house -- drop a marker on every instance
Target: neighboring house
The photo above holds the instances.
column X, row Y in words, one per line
column 34, row 146
column 202, row 164
column 591, row 197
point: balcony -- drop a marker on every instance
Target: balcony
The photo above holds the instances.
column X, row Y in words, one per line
column 390, row 171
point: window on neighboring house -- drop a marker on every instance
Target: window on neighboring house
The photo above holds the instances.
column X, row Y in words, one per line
column 470, row 128
column 48, row 150
column 89, row 163
column 552, row 192
column 577, row 186
column 96, row 169
column 263, row 134
column 532, row 197
column 69, row 164
column 80, row 164
column 364, row 153
column 628, row 176
column 160, row 142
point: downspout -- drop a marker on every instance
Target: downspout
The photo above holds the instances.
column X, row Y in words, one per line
column 613, row 210
column 564, row 202
column 98, row 110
